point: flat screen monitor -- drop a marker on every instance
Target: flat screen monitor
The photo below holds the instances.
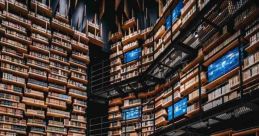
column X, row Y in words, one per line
column 180, row 108
column 132, row 55
column 223, row 65
column 177, row 11
column 168, row 22
column 131, row 113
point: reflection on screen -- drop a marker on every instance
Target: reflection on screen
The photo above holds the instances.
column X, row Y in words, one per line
column 223, row 65
column 132, row 55
column 180, row 108
column 131, row 113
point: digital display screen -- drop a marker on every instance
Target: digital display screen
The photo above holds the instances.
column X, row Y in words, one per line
column 180, row 108
column 132, row 55
column 223, row 65
column 177, row 11
column 131, row 113
column 168, row 23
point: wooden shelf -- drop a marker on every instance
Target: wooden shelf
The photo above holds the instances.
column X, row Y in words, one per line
column 195, row 99
column 131, row 106
column 81, row 37
column 223, row 133
column 57, row 90
column 80, row 47
column 19, row 39
column 16, row 19
column 33, row 102
column 37, row 87
column 130, row 38
column 38, row 49
column 192, row 113
column 34, row 94
column 37, row 76
column 215, row 42
column 192, row 87
column 61, row 17
column 96, row 40
column 193, row 63
column 221, row 52
column 253, row 47
column 57, row 25
column 190, row 3
column 246, row 132
column 83, row 58
column 36, row 58
column 12, row 82
column 129, row 24
column 17, row 7
column 250, row 17
column 42, row 8
column 45, row 32
column 35, row 18
column 14, row 72
column 115, row 37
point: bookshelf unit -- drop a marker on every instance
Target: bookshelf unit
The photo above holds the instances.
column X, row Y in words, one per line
column 190, row 78
column 43, row 72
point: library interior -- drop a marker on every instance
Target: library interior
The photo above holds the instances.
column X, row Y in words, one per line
column 129, row 67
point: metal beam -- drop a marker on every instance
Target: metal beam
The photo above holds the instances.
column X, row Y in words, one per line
column 119, row 90
column 155, row 79
column 185, row 48
column 211, row 23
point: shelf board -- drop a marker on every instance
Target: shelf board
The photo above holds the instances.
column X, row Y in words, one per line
column 221, row 52
column 36, row 125
column 190, row 75
column 56, row 90
column 246, row 132
column 12, row 82
column 14, row 72
column 223, row 133
column 36, row 58
column 195, row 99
column 192, row 88
column 57, row 26
column 193, row 63
column 192, row 113
column 42, row 8
column 17, row 38
column 13, row 29
column 250, row 17
column 43, row 33
column 95, row 40
column 193, row 3
column 17, row 8
column 44, row 23
column 131, row 38
column 81, row 37
column 84, row 58
column 129, row 24
column 37, row 87
column 115, row 37
column 10, row 17
column 253, row 47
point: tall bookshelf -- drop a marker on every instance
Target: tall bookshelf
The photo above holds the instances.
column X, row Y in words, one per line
column 43, row 72
column 212, row 42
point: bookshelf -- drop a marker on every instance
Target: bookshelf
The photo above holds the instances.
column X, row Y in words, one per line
column 43, row 82
column 193, row 82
